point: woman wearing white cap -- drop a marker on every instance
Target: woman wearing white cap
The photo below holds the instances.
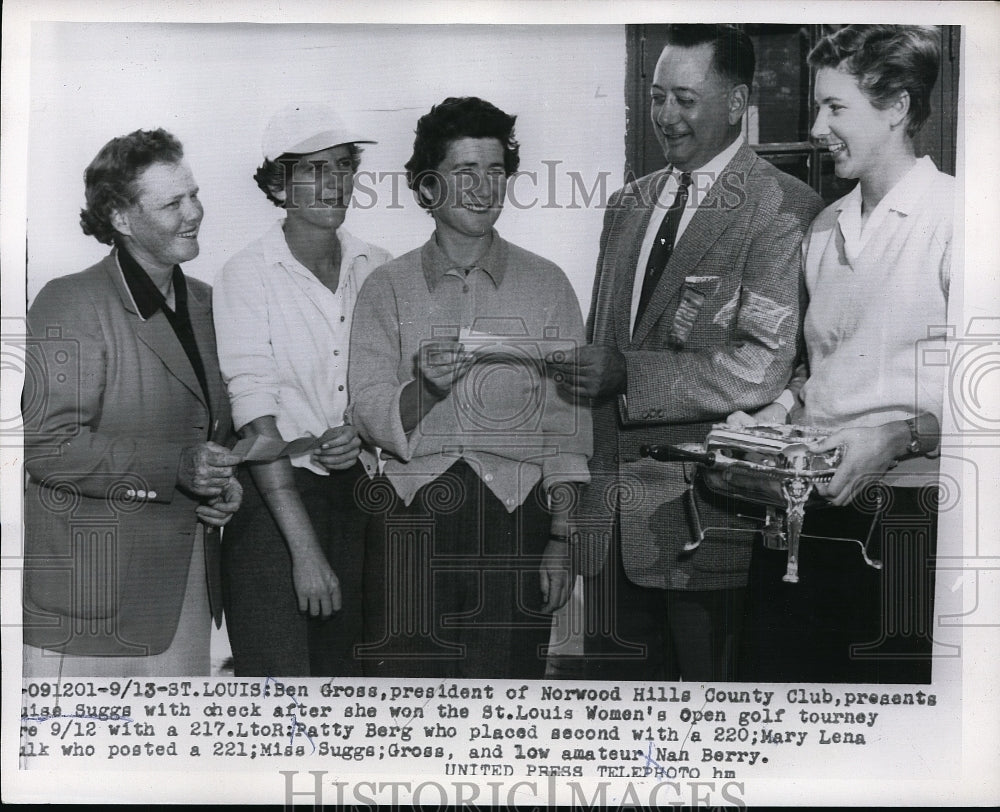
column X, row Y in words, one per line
column 283, row 306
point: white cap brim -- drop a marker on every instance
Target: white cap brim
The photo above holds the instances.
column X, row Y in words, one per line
column 306, row 128
column 323, row 140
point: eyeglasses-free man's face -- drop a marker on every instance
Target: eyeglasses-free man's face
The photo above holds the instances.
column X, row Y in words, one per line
column 696, row 112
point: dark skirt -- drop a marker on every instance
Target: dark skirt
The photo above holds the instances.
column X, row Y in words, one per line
column 451, row 582
column 845, row 621
column 268, row 634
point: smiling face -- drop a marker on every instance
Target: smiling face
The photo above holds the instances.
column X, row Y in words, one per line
column 695, row 112
column 318, row 187
column 466, row 191
column 857, row 133
column 160, row 229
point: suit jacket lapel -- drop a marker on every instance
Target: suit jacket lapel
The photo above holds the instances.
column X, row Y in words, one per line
column 200, row 312
column 157, row 334
column 630, row 239
column 114, row 272
column 706, row 226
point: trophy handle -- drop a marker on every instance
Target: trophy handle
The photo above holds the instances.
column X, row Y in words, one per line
column 672, row 453
column 797, row 490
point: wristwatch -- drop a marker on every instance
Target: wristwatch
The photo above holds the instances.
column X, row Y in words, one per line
column 915, row 446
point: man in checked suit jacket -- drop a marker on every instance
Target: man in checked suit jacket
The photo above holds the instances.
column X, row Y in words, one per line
column 718, row 333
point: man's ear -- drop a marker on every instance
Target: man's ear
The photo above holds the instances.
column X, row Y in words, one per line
column 739, row 98
column 120, row 223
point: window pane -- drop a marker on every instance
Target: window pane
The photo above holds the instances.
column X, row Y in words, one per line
column 795, row 164
column 780, row 101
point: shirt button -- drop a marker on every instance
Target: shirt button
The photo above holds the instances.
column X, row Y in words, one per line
column 340, row 388
column 465, row 288
column 509, row 501
column 488, row 477
column 343, row 318
column 130, row 494
column 140, row 494
column 336, row 352
column 151, row 494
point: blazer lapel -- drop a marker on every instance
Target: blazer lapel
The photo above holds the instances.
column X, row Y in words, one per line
column 706, row 226
column 114, row 272
column 156, row 332
column 630, row 239
column 200, row 313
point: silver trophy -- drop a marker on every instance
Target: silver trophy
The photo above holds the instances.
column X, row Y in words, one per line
column 767, row 464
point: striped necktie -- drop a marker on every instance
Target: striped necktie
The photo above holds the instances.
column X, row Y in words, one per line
column 663, row 245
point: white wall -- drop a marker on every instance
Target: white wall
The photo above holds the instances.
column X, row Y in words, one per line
column 215, row 86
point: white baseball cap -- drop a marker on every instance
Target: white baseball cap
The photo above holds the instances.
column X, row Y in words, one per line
column 304, row 128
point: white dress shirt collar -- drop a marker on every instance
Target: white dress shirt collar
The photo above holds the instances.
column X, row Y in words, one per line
column 902, row 198
column 704, row 177
column 276, row 249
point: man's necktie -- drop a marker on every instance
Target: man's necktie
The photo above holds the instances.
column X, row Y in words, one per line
column 663, row 245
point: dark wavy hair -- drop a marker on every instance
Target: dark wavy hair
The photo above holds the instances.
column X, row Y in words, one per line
column 109, row 180
column 733, row 56
column 886, row 60
column 271, row 175
column 452, row 119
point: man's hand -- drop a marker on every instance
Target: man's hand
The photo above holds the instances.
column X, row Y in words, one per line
column 441, row 364
column 219, row 510
column 205, row 469
column 867, row 454
column 316, row 585
column 772, row 413
column 556, row 574
column 339, row 448
column 592, row 371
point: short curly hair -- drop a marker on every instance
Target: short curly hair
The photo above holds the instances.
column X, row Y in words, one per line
column 271, row 175
column 452, row 119
column 109, row 180
column 886, row 60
